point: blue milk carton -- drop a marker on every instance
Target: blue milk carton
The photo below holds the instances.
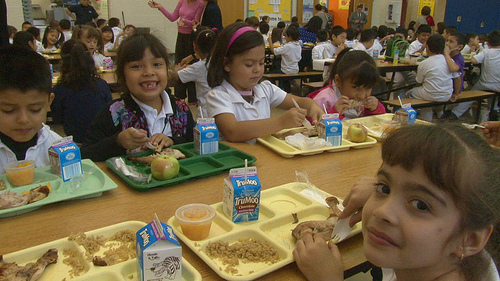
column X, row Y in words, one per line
column 406, row 115
column 65, row 158
column 241, row 197
column 206, row 136
column 330, row 128
column 159, row 253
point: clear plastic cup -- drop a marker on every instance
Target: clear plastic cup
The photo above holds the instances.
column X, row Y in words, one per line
column 195, row 220
column 20, row 172
column 389, row 125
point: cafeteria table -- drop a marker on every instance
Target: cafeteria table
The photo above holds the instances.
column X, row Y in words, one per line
column 334, row 173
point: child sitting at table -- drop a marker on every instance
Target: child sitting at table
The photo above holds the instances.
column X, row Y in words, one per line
column 454, row 44
column 264, row 30
column 449, row 30
column 472, row 44
column 36, row 33
column 108, row 39
column 338, row 39
column 79, row 94
column 353, row 75
column 92, row 38
column 434, row 78
column 50, row 40
column 127, row 31
column 116, row 26
column 366, row 41
column 350, row 37
column 145, row 112
column 323, row 49
column 65, row 28
column 291, row 54
column 25, row 97
column 417, row 47
column 25, row 39
column 239, row 102
column 425, row 216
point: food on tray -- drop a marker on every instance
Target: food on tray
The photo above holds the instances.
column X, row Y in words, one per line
column 3, row 186
column 195, row 220
column 355, row 103
column 245, row 250
column 308, row 132
column 10, row 199
column 321, row 227
column 20, row 172
column 166, row 151
column 31, row 271
column 164, row 167
column 357, row 132
column 295, row 218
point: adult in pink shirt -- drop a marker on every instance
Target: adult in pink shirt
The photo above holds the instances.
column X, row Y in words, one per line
column 185, row 13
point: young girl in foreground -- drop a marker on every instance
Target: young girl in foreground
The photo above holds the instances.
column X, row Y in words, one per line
column 427, row 217
column 145, row 112
column 240, row 103
column 352, row 77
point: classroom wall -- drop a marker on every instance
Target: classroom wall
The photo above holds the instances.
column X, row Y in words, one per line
column 15, row 15
column 413, row 12
column 340, row 17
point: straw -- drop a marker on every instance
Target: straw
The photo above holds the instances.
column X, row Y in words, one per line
column 295, row 103
column 246, row 169
column 324, row 108
column 200, row 112
column 400, row 102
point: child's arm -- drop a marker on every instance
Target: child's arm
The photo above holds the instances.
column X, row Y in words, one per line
column 492, row 132
column 373, row 106
column 356, row 199
column 271, row 47
column 452, row 66
column 457, row 87
column 313, row 110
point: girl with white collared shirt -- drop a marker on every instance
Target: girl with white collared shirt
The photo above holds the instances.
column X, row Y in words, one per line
column 239, row 102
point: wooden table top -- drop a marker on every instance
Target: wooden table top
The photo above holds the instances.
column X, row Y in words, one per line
column 109, row 77
column 334, row 173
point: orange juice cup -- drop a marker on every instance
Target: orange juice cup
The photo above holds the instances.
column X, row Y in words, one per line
column 20, row 172
column 195, row 220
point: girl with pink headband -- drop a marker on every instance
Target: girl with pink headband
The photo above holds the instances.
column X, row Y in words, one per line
column 240, row 103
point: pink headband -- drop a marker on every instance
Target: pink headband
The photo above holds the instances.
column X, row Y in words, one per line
column 237, row 34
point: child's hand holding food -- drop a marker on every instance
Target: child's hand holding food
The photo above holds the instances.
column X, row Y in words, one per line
column 342, row 104
column 370, row 103
column 161, row 140
column 132, row 138
column 293, row 117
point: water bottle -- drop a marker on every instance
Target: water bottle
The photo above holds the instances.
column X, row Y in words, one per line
column 396, row 57
column 375, row 54
column 51, row 71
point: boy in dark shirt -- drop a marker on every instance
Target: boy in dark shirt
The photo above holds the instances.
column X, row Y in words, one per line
column 84, row 12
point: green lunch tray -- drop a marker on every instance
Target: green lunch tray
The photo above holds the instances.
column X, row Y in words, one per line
column 93, row 185
column 193, row 166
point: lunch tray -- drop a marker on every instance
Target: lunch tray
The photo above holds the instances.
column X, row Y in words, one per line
column 372, row 122
column 125, row 271
column 274, row 226
column 93, row 186
column 193, row 166
column 286, row 150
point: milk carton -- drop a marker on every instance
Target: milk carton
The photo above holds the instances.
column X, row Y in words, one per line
column 330, row 128
column 242, row 197
column 406, row 115
column 159, row 254
column 65, row 159
column 206, row 136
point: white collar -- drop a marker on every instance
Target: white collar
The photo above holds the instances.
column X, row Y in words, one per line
column 236, row 97
column 166, row 106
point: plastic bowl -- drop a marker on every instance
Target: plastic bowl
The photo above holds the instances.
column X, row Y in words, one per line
column 389, row 125
column 20, row 172
column 195, row 220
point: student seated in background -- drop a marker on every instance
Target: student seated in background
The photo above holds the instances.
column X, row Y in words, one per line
column 338, row 37
column 417, row 47
column 101, row 23
column 129, row 30
column 291, row 53
column 36, row 33
column 472, row 44
column 454, row 45
column 52, row 40
column 264, row 30
column 25, row 39
column 366, row 40
column 449, row 30
column 24, row 102
column 323, row 48
column 65, row 28
column 350, row 37
column 26, row 25
column 115, row 24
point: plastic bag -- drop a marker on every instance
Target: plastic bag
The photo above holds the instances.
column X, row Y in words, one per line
column 306, row 143
column 129, row 171
column 311, row 191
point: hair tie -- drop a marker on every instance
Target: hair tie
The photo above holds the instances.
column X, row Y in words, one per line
column 214, row 29
column 237, row 34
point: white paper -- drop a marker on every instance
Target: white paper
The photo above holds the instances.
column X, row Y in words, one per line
column 253, row 1
column 276, row 8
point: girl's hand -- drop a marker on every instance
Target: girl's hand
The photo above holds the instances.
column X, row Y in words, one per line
column 161, row 140
column 154, row 4
column 315, row 112
column 293, row 117
column 370, row 103
column 492, row 132
column 185, row 61
column 342, row 104
column 318, row 260
column 181, row 22
column 356, row 199
column 132, row 138
column 195, row 24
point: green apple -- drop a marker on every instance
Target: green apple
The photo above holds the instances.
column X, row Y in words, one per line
column 164, row 167
column 357, row 132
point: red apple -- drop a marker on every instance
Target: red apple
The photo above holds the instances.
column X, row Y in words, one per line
column 357, row 132
column 164, row 167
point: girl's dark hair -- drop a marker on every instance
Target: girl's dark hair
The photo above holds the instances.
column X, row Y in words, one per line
column 462, row 164
column 60, row 37
column 440, row 27
column 218, row 57
column 108, row 28
column 34, row 30
column 314, row 24
column 77, row 67
column 132, row 49
column 22, row 39
column 355, row 66
column 205, row 40
column 89, row 32
column 277, row 35
column 411, row 25
column 350, row 34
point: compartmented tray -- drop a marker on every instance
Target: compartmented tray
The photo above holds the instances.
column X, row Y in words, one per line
column 286, row 150
column 93, row 186
column 375, row 130
column 193, row 166
column 126, row 271
column 274, row 226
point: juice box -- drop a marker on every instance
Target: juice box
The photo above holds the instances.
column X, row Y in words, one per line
column 330, row 128
column 65, row 158
column 206, row 136
column 159, row 253
column 241, row 197
column 406, row 115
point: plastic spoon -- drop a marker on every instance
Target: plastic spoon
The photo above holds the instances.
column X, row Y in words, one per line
column 306, row 122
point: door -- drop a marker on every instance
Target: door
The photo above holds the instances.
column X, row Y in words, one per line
column 231, row 10
column 368, row 8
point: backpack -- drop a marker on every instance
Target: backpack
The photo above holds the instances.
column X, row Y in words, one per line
column 396, row 43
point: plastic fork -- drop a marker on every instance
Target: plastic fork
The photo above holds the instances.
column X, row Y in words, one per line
column 341, row 230
column 306, row 122
column 473, row 126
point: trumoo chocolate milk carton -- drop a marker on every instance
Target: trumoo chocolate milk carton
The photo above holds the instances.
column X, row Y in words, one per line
column 65, row 159
column 242, row 195
column 206, row 136
column 159, row 254
column 330, row 129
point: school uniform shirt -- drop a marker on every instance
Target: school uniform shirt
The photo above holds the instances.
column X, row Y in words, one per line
column 414, row 47
column 291, row 53
column 376, row 46
column 109, row 46
column 265, row 37
column 116, row 31
column 39, row 46
column 465, row 50
column 53, row 48
column 361, row 47
column 38, row 152
column 197, row 72
column 490, row 72
column 99, row 59
column 84, row 14
column 226, row 99
column 436, row 80
column 460, row 61
column 350, row 43
column 157, row 121
column 67, row 35
column 323, row 50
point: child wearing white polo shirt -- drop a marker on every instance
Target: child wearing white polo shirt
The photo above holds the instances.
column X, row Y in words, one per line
column 418, row 46
column 323, row 49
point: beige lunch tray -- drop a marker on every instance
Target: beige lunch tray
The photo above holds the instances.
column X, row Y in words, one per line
column 125, row 271
column 274, row 226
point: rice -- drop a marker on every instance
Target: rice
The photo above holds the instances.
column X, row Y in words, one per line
column 72, row 260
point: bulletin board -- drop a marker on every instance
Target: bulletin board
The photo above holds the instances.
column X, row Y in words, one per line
column 423, row 3
column 277, row 10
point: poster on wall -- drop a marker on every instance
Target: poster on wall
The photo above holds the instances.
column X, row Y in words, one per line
column 343, row 4
column 307, row 10
column 323, row 3
column 423, row 3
